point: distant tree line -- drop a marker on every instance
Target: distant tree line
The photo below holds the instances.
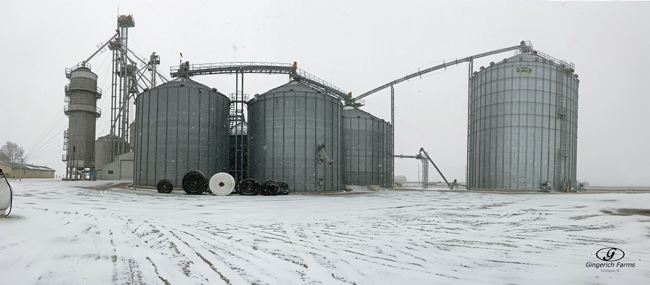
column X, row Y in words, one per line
column 11, row 152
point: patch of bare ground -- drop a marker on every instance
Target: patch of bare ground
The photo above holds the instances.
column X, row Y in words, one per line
column 627, row 212
column 582, row 217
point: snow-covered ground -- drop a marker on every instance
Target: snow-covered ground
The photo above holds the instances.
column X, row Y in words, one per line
column 93, row 233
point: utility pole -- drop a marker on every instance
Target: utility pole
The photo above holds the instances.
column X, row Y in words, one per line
column 21, row 169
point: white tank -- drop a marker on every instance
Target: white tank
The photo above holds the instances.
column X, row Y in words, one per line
column 400, row 180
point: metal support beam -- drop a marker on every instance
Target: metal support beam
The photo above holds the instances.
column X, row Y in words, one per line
column 237, row 173
column 260, row 67
column 425, row 174
column 469, row 121
column 522, row 47
column 392, row 131
column 425, row 167
column 100, row 48
column 241, row 134
column 434, row 165
column 237, row 164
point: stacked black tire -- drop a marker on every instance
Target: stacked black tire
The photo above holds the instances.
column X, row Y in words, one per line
column 165, row 186
column 195, row 183
column 250, row 187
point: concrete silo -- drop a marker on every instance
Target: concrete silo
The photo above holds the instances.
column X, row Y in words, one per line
column 294, row 135
column 82, row 94
column 523, row 122
column 181, row 125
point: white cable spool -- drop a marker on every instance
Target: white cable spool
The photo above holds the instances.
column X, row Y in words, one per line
column 222, row 184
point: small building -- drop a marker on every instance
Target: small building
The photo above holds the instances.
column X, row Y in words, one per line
column 12, row 169
column 121, row 169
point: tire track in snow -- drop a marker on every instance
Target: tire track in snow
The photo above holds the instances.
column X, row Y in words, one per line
column 316, row 269
column 127, row 268
column 234, row 254
column 199, row 260
column 142, row 247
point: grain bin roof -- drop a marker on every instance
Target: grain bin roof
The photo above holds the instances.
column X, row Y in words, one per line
column 356, row 113
column 293, row 86
column 183, row 82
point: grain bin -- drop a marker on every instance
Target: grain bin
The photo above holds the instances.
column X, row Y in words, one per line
column 523, row 122
column 294, row 135
column 367, row 155
column 181, row 125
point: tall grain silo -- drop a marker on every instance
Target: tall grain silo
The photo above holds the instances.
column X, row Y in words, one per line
column 181, row 125
column 523, row 123
column 367, row 155
column 294, row 135
column 82, row 94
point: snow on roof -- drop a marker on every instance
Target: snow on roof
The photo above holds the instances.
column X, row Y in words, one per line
column 16, row 165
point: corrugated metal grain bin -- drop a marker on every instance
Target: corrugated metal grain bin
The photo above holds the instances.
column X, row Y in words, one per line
column 288, row 127
column 367, row 155
column 181, row 125
column 523, row 124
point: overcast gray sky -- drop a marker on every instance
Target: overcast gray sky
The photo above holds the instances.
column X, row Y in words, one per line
column 355, row 45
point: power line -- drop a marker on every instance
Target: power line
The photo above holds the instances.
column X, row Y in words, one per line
column 41, row 146
column 55, row 145
column 48, row 129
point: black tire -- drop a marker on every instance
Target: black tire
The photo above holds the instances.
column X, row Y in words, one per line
column 270, row 188
column 164, row 186
column 284, row 188
column 194, row 182
column 249, row 187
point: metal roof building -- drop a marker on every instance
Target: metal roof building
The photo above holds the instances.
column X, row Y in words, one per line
column 12, row 169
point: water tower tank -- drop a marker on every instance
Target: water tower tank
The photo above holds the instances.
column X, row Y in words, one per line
column 181, row 125
column 367, row 155
column 294, row 136
column 523, row 123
